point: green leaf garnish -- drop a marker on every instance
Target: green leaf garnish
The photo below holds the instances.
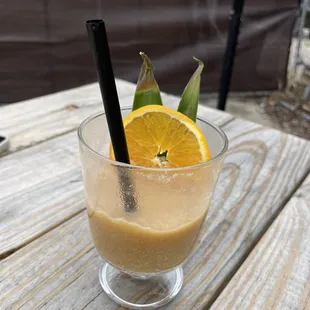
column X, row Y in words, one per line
column 190, row 97
column 147, row 91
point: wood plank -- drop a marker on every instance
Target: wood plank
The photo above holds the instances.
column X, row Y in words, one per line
column 276, row 275
column 42, row 186
column 69, row 249
column 31, row 167
column 262, row 169
column 36, row 120
column 34, row 211
column 30, row 122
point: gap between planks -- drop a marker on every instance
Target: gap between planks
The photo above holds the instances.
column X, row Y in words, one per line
column 29, row 122
column 42, row 233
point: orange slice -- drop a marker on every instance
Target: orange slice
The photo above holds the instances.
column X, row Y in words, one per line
column 160, row 137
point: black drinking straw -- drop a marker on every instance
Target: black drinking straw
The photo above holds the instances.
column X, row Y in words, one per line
column 100, row 48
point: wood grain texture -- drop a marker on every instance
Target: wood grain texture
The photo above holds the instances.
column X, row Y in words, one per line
column 276, row 275
column 41, row 185
column 262, row 169
column 30, row 122
column 40, row 188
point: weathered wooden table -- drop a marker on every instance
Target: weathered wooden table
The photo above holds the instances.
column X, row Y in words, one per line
column 254, row 253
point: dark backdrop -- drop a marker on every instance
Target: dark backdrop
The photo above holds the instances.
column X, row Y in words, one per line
column 44, row 47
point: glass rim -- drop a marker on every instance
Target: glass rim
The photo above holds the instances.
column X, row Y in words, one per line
column 121, row 164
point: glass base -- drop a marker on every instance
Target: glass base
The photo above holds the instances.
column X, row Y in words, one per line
column 140, row 292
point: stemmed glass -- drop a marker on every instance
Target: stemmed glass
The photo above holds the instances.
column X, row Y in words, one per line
column 143, row 251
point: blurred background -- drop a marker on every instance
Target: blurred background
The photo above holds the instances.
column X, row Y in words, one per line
column 44, row 49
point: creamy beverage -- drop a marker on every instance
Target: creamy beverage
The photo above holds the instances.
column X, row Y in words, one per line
column 161, row 233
